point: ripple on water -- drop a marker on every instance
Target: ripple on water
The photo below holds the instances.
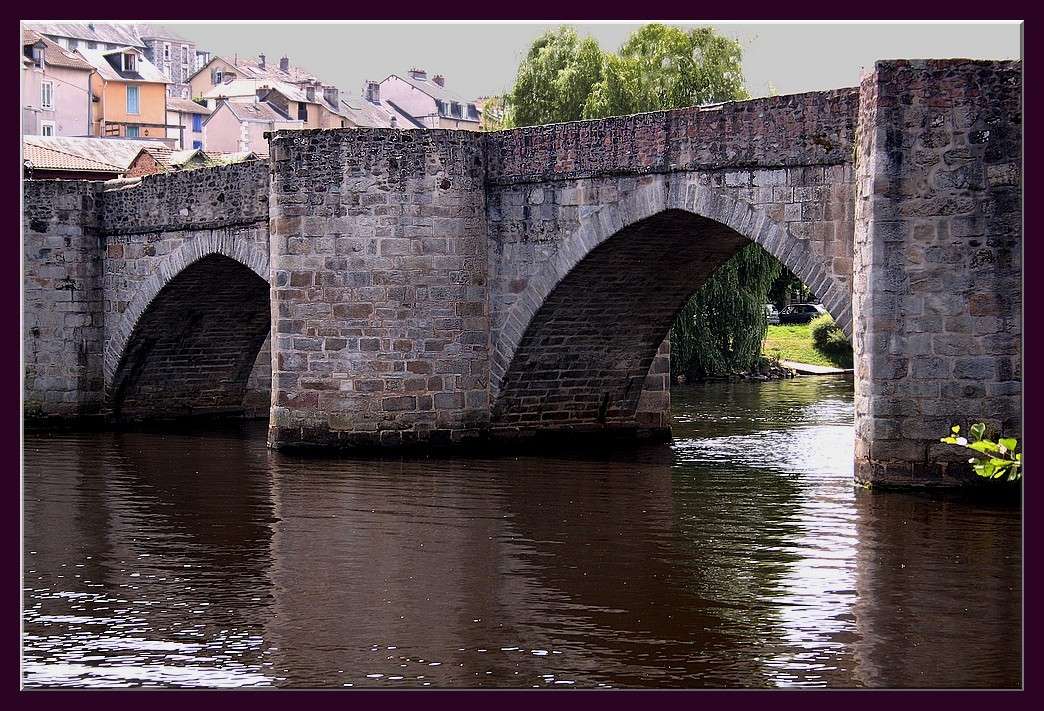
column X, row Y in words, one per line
column 741, row 555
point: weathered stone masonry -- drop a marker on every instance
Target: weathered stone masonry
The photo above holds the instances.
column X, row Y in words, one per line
column 437, row 288
column 938, row 287
column 602, row 230
column 380, row 292
column 99, row 257
column 62, row 319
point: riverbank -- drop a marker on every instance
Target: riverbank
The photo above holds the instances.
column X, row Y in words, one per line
column 794, row 343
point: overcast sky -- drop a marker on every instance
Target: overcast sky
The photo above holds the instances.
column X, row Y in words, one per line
column 481, row 59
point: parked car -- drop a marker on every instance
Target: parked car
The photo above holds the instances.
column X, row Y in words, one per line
column 771, row 314
column 800, row 313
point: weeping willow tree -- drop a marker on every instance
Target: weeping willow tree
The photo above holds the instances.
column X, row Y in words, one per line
column 566, row 78
column 702, row 337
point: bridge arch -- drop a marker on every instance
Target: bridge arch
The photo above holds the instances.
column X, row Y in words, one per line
column 575, row 348
column 188, row 339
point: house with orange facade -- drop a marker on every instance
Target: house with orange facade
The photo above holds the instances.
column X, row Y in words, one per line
column 129, row 94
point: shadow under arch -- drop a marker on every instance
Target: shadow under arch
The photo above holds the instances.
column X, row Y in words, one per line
column 188, row 341
column 574, row 351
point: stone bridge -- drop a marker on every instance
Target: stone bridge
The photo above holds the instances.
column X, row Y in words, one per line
column 438, row 288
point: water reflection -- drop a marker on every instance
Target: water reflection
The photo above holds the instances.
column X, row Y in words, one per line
column 740, row 556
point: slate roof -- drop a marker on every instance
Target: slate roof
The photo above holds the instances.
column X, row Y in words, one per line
column 118, row 33
column 254, row 112
column 272, row 71
column 186, row 106
column 433, row 90
column 50, row 158
column 368, row 115
column 300, row 95
column 54, row 54
column 249, row 69
column 117, row 152
column 107, row 63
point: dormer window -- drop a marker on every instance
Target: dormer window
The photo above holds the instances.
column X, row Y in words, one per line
column 130, row 62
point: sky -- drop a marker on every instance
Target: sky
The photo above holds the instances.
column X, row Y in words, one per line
column 481, row 59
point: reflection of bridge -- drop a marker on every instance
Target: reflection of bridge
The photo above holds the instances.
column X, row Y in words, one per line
column 441, row 287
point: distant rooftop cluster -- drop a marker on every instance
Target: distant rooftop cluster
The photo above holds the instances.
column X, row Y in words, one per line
column 138, row 82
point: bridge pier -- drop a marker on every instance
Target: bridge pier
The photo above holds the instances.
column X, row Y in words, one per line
column 938, row 265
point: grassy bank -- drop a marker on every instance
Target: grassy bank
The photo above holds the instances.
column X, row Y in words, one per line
column 795, row 343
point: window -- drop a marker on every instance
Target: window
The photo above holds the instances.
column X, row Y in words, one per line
column 73, row 44
column 215, row 77
column 473, row 112
column 130, row 62
column 166, row 51
column 92, row 45
column 132, row 99
column 197, row 145
column 455, row 108
column 302, row 111
column 440, row 107
column 132, row 132
column 47, row 95
column 47, row 128
column 197, row 123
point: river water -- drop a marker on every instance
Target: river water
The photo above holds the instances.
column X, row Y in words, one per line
column 741, row 555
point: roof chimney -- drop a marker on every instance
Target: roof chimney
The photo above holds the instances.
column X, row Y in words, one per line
column 331, row 94
column 439, row 79
column 284, row 63
column 418, row 74
column 261, row 61
column 372, row 92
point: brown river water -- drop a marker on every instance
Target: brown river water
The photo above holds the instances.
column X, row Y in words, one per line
column 740, row 555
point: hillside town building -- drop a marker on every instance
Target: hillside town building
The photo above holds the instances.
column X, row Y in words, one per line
column 176, row 57
column 429, row 101
column 56, row 88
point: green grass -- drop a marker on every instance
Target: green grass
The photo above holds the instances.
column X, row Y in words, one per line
column 795, row 343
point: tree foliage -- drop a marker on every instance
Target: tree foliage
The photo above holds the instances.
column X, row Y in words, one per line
column 556, row 78
column 830, row 341
column 565, row 78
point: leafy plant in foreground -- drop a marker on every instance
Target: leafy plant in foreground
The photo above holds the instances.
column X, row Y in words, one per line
column 993, row 460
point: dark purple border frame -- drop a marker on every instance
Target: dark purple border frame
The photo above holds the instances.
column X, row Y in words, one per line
column 537, row 10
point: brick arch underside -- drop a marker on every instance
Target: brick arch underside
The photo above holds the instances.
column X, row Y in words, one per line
column 194, row 346
column 583, row 359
